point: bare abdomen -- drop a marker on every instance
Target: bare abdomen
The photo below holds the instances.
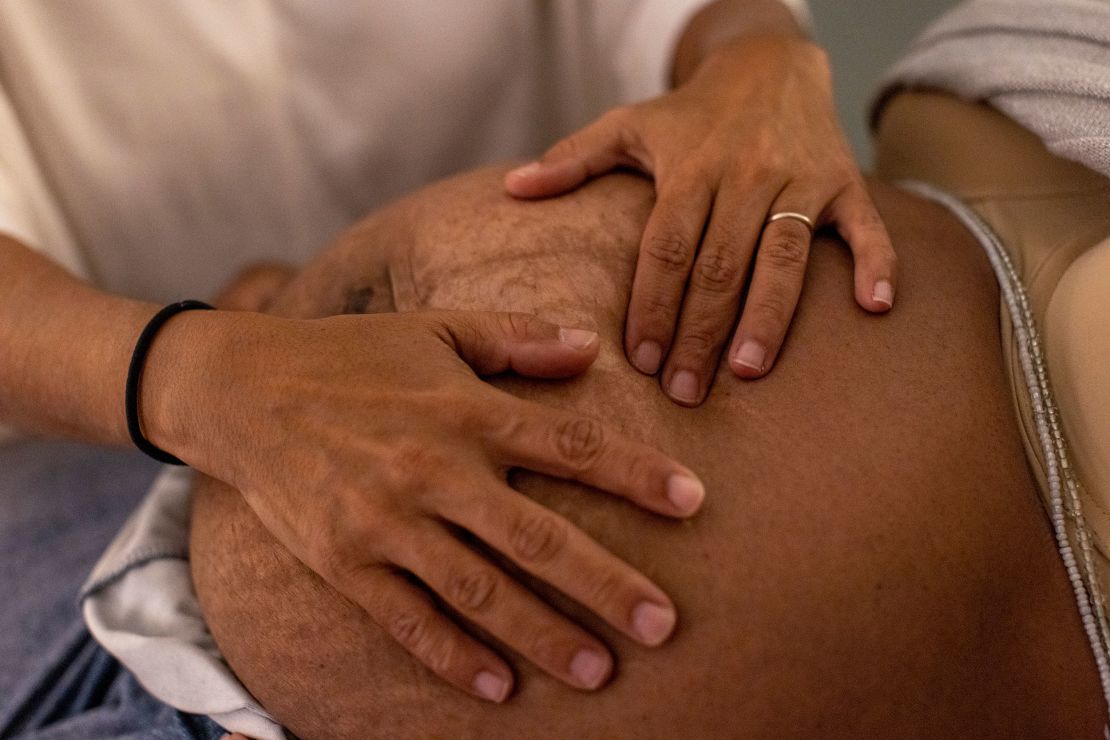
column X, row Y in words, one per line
column 871, row 559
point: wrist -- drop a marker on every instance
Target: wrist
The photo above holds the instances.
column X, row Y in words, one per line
column 182, row 388
column 766, row 63
column 723, row 24
column 796, row 52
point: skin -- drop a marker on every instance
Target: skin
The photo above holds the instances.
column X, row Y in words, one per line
column 68, row 345
column 872, row 560
column 749, row 130
column 310, row 480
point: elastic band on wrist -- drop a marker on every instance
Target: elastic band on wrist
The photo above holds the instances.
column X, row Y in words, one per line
column 135, row 374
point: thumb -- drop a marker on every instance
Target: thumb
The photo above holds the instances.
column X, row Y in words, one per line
column 605, row 144
column 494, row 343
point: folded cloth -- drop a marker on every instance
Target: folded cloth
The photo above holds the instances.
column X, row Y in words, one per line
column 1044, row 63
column 139, row 604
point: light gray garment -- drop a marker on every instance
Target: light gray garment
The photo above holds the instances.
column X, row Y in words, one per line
column 1044, row 63
column 139, row 603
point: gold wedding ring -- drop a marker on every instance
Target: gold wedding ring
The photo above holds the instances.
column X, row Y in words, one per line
column 796, row 216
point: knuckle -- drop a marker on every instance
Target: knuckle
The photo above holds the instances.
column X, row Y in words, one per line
column 717, row 272
column 580, row 441
column 410, row 629
column 407, row 460
column 767, row 165
column 440, row 654
column 339, row 561
column 538, row 538
column 771, row 311
column 696, row 342
column 606, row 590
column 414, row 632
column 878, row 255
column 688, row 181
column 869, row 219
column 472, row 590
column 494, row 421
column 332, row 561
column 519, row 326
column 659, row 313
column 636, row 471
column 789, row 249
column 545, row 649
column 668, row 249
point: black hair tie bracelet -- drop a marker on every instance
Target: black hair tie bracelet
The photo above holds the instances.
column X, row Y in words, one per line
column 135, row 375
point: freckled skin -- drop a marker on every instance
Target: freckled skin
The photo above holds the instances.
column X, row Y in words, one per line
column 871, row 559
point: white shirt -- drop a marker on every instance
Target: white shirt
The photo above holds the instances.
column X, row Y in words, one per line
column 156, row 147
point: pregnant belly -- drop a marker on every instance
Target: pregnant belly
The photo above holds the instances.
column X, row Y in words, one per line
column 871, row 557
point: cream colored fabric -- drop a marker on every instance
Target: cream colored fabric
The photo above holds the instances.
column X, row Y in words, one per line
column 156, row 147
column 1053, row 216
column 28, row 210
column 1077, row 339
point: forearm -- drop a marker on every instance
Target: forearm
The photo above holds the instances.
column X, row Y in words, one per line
column 724, row 22
column 66, row 349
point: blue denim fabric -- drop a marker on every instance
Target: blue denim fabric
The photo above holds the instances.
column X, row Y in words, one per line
column 60, row 506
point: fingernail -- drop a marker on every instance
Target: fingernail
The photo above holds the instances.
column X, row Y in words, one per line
column 577, row 338
column 527, row 170
column 684, row 386
column 647, row 357
column 685, row 492
column 883, row 293
column 491, row 686
column 751, row 355
column 652, row 623
column 589, row 668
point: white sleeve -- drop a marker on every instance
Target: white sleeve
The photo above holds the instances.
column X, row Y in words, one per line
column 802, row 14
column 644, row 45
column 649, row 32
column 28, row 211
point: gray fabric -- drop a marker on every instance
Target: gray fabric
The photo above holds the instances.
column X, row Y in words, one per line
column 60, row 503
column 1044, row 63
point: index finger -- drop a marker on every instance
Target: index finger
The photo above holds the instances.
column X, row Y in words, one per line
column 562, row 555
column 577, row 447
